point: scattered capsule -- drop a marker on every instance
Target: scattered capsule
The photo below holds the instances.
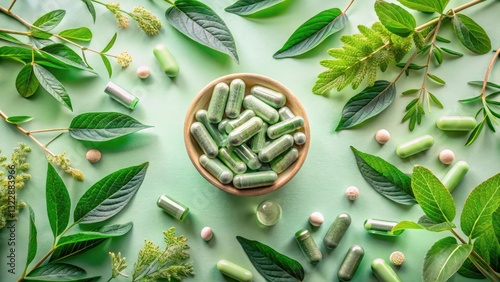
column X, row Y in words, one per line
column 446, row 156
column 166, row 60
column 217, row 169
column 217, row 103
column 259, row 139
column 248, row 156
column 268, row 213
column 455, row 175
column 382, row 136
column 285, row 113
column 275, row 148
column 283, row 127
column 352, row 193
column 254, row 179
column 415, row 146
column 245, row 131
column 241, row 119
column 222, row 125
column 316, row 219
column 268, row 96
column 219, row 138
column 337, row 231
column 283, row 161
column 261, row 109
column 206, row 233
column 397, row 258
column 232, row 161
column 143, row 72
column 234, row 271
column 350, row 263
column 121, row 95
column 93, row 155
column 381, row 227
column 300, row 138
column 235, row 98
column 205, row 141
column 456, row 123
column 308, row 246
column 383, row 271
column 172, row 207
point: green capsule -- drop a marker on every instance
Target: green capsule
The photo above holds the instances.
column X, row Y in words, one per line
column 234, row 271
column 300, row 138
column 350, row 263
column 383, row 271
column 415, row 146
column 381, row 227
column 247, row 156
column 283, row 127
column 219, row 137
column 259, row 139
column 172, row 207
column 455, row 175
column 268, row 96
column 221, row 126
column 308, row 246
column 235, row 98
column 241, row 119
column 285, row 113
column 166, row 60
column 232, row 161
column 337, row 230
column 456, row 123
column 283, row 161
column 275, row 148
column 245, row 131
column 217, row 169
column 204, row 140
column 254, row 179
column 217, row 103
column 261, row 109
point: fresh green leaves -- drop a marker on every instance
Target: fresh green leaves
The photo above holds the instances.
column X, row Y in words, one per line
column 471, row 34
column 273, row 265
column 424, row 222
column 200, row 23
column 109, row 195
column 104, row 232
column 50, row 83
column 312, row 33
column 58, row 272
column 79, row 34
column 385, row 178
column 367, row 103
column 444, row 259
column 248, row 7
column 46, row 23
column 26, row 81
column 32, row 240
column 58, row 202
column 18, row 119
column 396, row 19
column 90, row 8
column 103, row 126
column 428, row 6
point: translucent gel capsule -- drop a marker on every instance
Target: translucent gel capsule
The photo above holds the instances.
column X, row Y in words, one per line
column 254, row 179
column 308, row 246
column 285, row 113
column 217, row 103
column 217, row 169
column 245, row 131
column 300, row 138
column 248, row 156
column 259, row 139
column 172, row 207
column 337, row 231
column 350, row 263
column 121, row 95
column 283, row 161
column 166, row 60
column 283, row 127
column 234, row 271
column 268, row 213
column 455, row 175
column 239, row 120
column 232, row 161
column 204, row 140
column 222, row 125
column 219, row 138
column 415, row 146
column 456, row 123
column 275, row 148
column 381, row 227
column 383, row 271
column 261, row 109
column 269, row 96
column 235, row 98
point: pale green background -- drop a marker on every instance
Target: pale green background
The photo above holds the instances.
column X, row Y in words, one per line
column 319, row 186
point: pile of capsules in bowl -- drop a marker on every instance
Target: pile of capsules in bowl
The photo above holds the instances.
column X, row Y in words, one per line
column 254, row 142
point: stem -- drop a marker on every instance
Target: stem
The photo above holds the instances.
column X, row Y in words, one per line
column 45, row 257
column 14, row 32
column 488, row 71
column 47, row 130
column 348, row 6
column 170, row 2
column 11, row 5
column 451, row 12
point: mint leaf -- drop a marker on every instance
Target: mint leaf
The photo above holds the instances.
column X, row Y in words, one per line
column 80, row 34
column 427, row 6
column 444, row 259
column 248, row 7
column 471, row 34
column 58, row 201
column 396, row 19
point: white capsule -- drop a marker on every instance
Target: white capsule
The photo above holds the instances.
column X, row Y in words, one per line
column 446, row 156
column 382, row 136
column 316, row 219
column 143, row 72
column 206, row 233
column 352, row 193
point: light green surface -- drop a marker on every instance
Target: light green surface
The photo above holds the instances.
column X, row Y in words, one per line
column 319, row 186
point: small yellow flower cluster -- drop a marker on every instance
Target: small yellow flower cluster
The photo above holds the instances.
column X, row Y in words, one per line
column 124, row 59
column 117, row 265
column 146, row 20
column 64, row 163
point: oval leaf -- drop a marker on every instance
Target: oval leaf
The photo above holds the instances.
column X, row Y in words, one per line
column 248, row 7
column 200, row 23
column 312, row 33
column 107, row 65
column 26, row 81
column 9, row 38
column 444, row 259
column 18, row 119
column 69, row 250
column 58, row 202
column 103, row 126
column 436, row 78
column 396, row 19
column 32, row 240
column 62, row 54
column 434, row 199
column 273, row 265
column 50, row 20
column 385, row 178
column 90, row 8
column 427, row 6
column 481, row 203
column 80, row 34
column 109, row 195
column 50, row 83
column 471, row 34
column 430, row 225
column 58, row 272
column 105, row 232
column 366, row 104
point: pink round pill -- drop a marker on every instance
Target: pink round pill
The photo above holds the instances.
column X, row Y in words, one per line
column 446, row 156
column 143, row 72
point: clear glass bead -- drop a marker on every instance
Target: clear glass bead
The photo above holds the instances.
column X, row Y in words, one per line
column 268, row 213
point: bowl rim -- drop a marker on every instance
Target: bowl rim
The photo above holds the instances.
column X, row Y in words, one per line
column 193, row 154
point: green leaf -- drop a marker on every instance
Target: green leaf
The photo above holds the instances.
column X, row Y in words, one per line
column 444, row 259
column 385, row 178
column 110, row 44
column 7, row 37
column 68, row 250
column 58, row 202
column 200, row 23
column 103, row 126
column 452, row 52
column 26, row 81
column 109, row 195
column 435, row 100
column 471, row 100
column 32, row 240
column 60, row 53
column 366, row 104
column 18, row 119
column 471, row 34
column 248, row 7
column 469, row 270
column 50, row 20
column 431, row 225
column 58, row 272
column 436, row 78
column 90, row 8
column 475, row 133
column 105, row 233
column 488, row 248
column 427, row 6
column 479, row 207
column 406, row 224
column 271, row 264
column 79, row 34
column 434, row 199
column 50, row 83
column 107, row 64
column 480, row 83
column 442, row 39
column 312, row 33
column 410, row 91
column 396, row 19
column 438, row 55
column 495, row 222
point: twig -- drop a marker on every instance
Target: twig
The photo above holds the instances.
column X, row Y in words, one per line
column 451, row 12
column 488, row 71
column 348, row 6
column 11, row 5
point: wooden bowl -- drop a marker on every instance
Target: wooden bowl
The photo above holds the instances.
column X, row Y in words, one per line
column 202, row 100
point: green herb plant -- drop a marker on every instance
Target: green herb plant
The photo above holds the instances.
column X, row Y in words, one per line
column 387, row 43
column 153, row 264
column 93, row 126
column 100, row 202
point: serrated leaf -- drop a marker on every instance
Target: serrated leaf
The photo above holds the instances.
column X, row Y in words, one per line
column 488, row 248
column 26, row 81
column 9, row 38
column 79, row 34
column 452, row 52
column 103, row 126
column 248, row 7
column 475, row 133
column 50, row 83
column 200, row 23
column 436, row 78
column 32, row 240
column 396, row 19
column 444, row 259
column 428, row 6
column 58, row 201
column 107, row 65
column 312, row 33
column 90, row 8
column 406, row 224
column 106, row 232
column 434, row 199
column 385, row 178
column 58, row 272
column 18, row 119
column 366, row 104
column 62, row 54
column 471, row 34
column 109, row 195
column 479, row 207
column 271, row 264
column 110, row 44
